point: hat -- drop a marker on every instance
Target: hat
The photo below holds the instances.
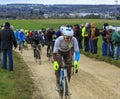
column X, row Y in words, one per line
column 7, row 24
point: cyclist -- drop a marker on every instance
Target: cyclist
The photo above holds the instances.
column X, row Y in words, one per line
column 42, row 37
column 62, row 52
column 36, row 40
column 21, row 38
column 51, row 36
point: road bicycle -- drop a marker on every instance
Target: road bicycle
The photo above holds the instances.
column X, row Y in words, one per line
column 37, row 53
column 64, row 86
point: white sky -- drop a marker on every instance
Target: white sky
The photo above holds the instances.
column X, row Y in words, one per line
column 61, row 1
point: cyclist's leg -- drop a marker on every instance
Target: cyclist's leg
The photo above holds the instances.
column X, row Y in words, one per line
column 53, row 42
column 68, row 62
column 38, row 52
column 48, row 48
column 57, row 73
column 52, row 46
column 34, row 48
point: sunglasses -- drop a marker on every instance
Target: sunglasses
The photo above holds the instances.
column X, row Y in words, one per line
column 68, row 38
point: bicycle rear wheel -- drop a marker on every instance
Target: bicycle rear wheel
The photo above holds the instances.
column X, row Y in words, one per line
column 37, row 56
column 40, row 57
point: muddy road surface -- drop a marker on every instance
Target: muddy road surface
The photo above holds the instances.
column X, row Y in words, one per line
column 95, row 79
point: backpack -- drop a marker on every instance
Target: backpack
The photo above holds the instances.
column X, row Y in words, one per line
column 97, row 32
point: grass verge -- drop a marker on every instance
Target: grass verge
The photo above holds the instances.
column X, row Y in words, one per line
column 102, row 58
column 16, row 84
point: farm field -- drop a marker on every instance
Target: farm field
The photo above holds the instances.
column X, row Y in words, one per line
column 34, row 24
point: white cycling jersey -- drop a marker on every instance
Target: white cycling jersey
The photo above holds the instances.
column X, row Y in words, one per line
column 62, row 45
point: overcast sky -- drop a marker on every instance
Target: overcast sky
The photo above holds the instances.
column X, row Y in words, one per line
column 61, row 1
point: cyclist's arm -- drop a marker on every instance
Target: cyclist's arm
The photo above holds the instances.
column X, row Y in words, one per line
column 76, row 50
column 77, row 56
column 55, row 49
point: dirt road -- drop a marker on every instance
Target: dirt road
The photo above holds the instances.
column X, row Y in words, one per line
column 95, row 79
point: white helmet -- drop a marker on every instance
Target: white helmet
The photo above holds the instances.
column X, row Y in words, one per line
column 21, row 30
column 107, row 27
column 62, row 28
column 68, row 31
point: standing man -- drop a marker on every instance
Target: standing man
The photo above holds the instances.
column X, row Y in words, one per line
column 7, row 40
column 0, row 47
column 93, row 39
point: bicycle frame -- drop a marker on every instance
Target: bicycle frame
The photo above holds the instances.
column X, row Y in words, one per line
column 37, row 53
column 64, row 88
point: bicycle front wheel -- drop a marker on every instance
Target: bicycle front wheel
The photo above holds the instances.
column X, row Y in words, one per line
column 66, row 89
column 61, row 92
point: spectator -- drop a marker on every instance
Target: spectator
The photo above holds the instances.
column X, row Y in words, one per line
column 0, row 47
column 86, row 37
column 93, row 39
column 7, row 39
column 78, row 35
column 58, row 32
column 116, row 42
column 110, row 44
column 105, row 39
column 51, row 36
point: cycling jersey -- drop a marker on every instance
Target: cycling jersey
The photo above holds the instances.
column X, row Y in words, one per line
column 62, row 45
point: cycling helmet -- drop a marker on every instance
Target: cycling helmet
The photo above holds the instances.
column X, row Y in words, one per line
column 67, row 31
column 62, row 28
column 36, row 33
column 107, row 28
column 21, row 30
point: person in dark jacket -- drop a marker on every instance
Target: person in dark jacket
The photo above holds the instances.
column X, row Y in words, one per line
column 105, row 39
column 78, row 35
column 51, row 36
column 7, row 40
column 0, row 48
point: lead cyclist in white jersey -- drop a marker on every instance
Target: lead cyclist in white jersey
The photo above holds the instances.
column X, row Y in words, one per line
column 62, row 52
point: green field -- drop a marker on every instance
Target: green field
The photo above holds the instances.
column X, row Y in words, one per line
column 45, row 23
column 18, row 84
